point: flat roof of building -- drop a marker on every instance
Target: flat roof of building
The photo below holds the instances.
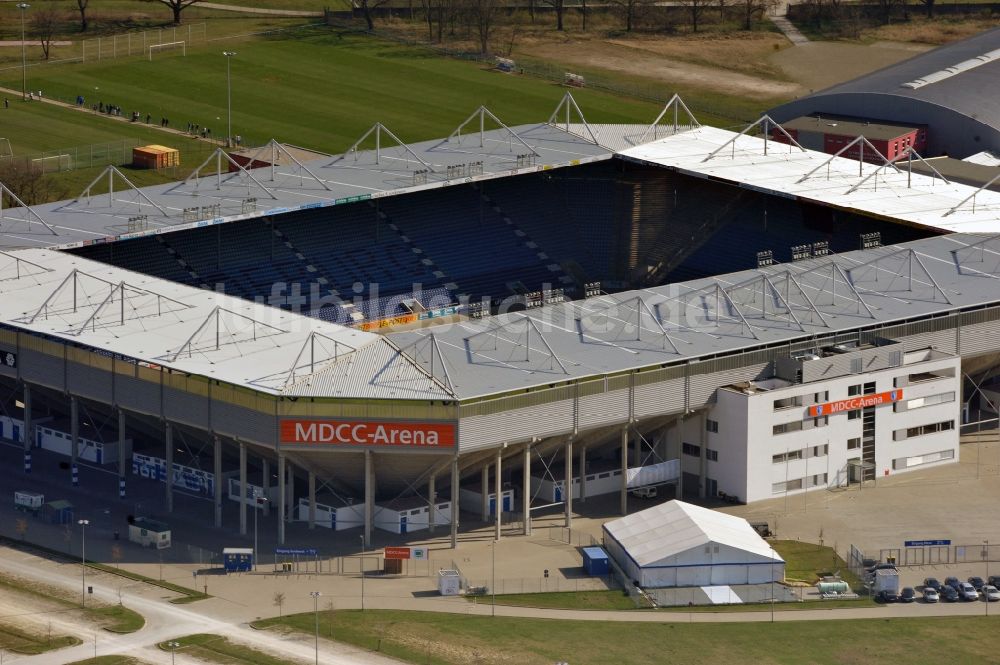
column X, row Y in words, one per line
column 962, row 171
column 846, row 126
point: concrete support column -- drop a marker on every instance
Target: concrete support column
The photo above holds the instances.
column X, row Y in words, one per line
column 624, row 489
column 637, row 454
column 454, row 503
column 281, row 498
column 432, row 500
column 74, row 439
column 29, row 440
column 168, row 458
column 526, row 489
column 568, row 489
column 217, row 470
column 265, row 474
column 484, row 480
column 702, row 457
column 498, row 504
column 583, row 474
column 312, row 499
column 369, row 497
column 243, row 488
column 289, row 492
column 121, row 454
column 679, row 439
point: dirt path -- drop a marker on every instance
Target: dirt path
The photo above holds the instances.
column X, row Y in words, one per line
column 652, row 59
column 291, row 13
column 818, row 65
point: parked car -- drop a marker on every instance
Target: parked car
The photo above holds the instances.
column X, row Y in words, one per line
column 967, row 592
column 953, row 582
column 948, row 594
column 886, row 597
column 907, row 595
column 932, row 583
column 931, row 595
column 994, row 580
column 976, row 582
column 644, row 492
column 990, row 593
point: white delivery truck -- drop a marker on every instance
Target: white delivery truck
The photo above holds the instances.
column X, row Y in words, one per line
column 29, row 502
column 886, row 579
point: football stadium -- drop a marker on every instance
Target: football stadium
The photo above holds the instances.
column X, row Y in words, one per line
column 505, row 320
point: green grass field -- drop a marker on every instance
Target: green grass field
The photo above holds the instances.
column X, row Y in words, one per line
column 570, row 600
column 109, row 660
column 217, row 649
column 450, row 639
column 321, row 90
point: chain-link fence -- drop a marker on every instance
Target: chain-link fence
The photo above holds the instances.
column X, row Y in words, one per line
column 570, row 537
column 117, row 153
column 146, row 43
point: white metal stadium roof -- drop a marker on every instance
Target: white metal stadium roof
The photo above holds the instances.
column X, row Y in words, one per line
column 785, row 170
column 652, row 535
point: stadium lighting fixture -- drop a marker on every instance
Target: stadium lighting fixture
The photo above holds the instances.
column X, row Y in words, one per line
column 24, row 62
column 315, row 596
column 229, row 98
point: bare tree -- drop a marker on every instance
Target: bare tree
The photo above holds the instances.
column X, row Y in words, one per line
column 81, row 5
column 696, row 8
column 44, row 24
column 32, row 187
column 630, row 9
column 754, row 9
column 177, row 6
column 366, row 10
column 930, row 7
column 560, row 8
column 484, row 15
column 279, row 601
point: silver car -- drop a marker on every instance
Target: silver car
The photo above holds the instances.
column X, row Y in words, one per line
column 930, row 595
column 967, row 592
column 990, row 593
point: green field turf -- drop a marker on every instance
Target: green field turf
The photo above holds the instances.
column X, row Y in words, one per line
column 322, row 90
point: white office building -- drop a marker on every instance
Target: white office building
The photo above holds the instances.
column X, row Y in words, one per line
column 835, row 416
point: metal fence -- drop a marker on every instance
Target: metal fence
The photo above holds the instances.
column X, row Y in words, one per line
column 551, row 584
column 575, row 538
column 117, row 153
column 930, row 555
column 138, row 43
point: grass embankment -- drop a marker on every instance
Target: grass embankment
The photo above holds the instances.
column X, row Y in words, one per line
column 450, row 639
column 109, row 660
column 807, row 562
column 28, row 642
column 113, row 618
column 563, row 600
column 217, row 649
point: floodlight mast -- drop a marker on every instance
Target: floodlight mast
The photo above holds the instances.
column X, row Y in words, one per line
column 229, row 98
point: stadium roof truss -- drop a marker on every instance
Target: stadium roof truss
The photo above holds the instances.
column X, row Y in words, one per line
column 221, row 328
column 610, row 320
column 112, row 174
column 511, row 337
column 564, row 113
column 677, row 106
column 482, row 114
column 764, row 122
column 377, row 131
column 222, row 176
column 977, row 253
column 31, row 217
column 273, row 151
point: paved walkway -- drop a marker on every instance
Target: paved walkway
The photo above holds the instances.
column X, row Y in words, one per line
column 291, row 13
column 789, row 30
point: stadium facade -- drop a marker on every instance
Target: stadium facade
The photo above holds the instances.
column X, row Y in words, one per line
column 601, row 394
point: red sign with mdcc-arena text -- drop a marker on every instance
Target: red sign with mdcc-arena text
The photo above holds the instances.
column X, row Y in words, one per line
column 855, row 403
column 367, row 433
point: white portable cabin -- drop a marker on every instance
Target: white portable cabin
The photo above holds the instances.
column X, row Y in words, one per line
column 602, row 478
column 30, row 502
column 12, row 428
column 410, row 514
column 677, row 544
column 331, row 514
column 449, row 583
column 186, row 478
column 149, row 533
column 253, row 491
column 470, row 499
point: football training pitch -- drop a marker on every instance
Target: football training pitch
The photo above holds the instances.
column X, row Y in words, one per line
column 321, row 89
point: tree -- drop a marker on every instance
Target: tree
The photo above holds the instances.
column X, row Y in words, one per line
column 560, row 8
column 754, row 9
column 176, row 6
column 366, row 10
column 279, row 601
column 629, row 9
column 30, row 184
column 44, row 23
column 484, row 15
column 930, row 7
column 82, row 6
column 695, row 10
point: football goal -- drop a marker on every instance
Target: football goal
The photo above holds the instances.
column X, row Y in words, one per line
column 168, row 47
column 54, row 163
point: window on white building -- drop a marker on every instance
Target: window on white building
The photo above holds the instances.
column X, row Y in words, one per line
column 854, row 444
column 923, row 430
column 712, row 426
column 691, row 449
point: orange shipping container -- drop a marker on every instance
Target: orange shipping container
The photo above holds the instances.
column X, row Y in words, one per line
column 155, row 157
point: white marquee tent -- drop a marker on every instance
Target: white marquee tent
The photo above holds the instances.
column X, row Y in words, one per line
column 680, row 544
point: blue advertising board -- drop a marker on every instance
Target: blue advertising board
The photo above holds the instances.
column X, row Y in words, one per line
column 925, row 543
column 296, row 551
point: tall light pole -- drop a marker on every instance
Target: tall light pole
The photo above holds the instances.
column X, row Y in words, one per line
column 258, row 501
column 173, row 647
column 83, row 561
column 23, row 6
column 493, row 583
column 986, row 551
column 315, row 596
column 229, row 97
column 362, row 573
